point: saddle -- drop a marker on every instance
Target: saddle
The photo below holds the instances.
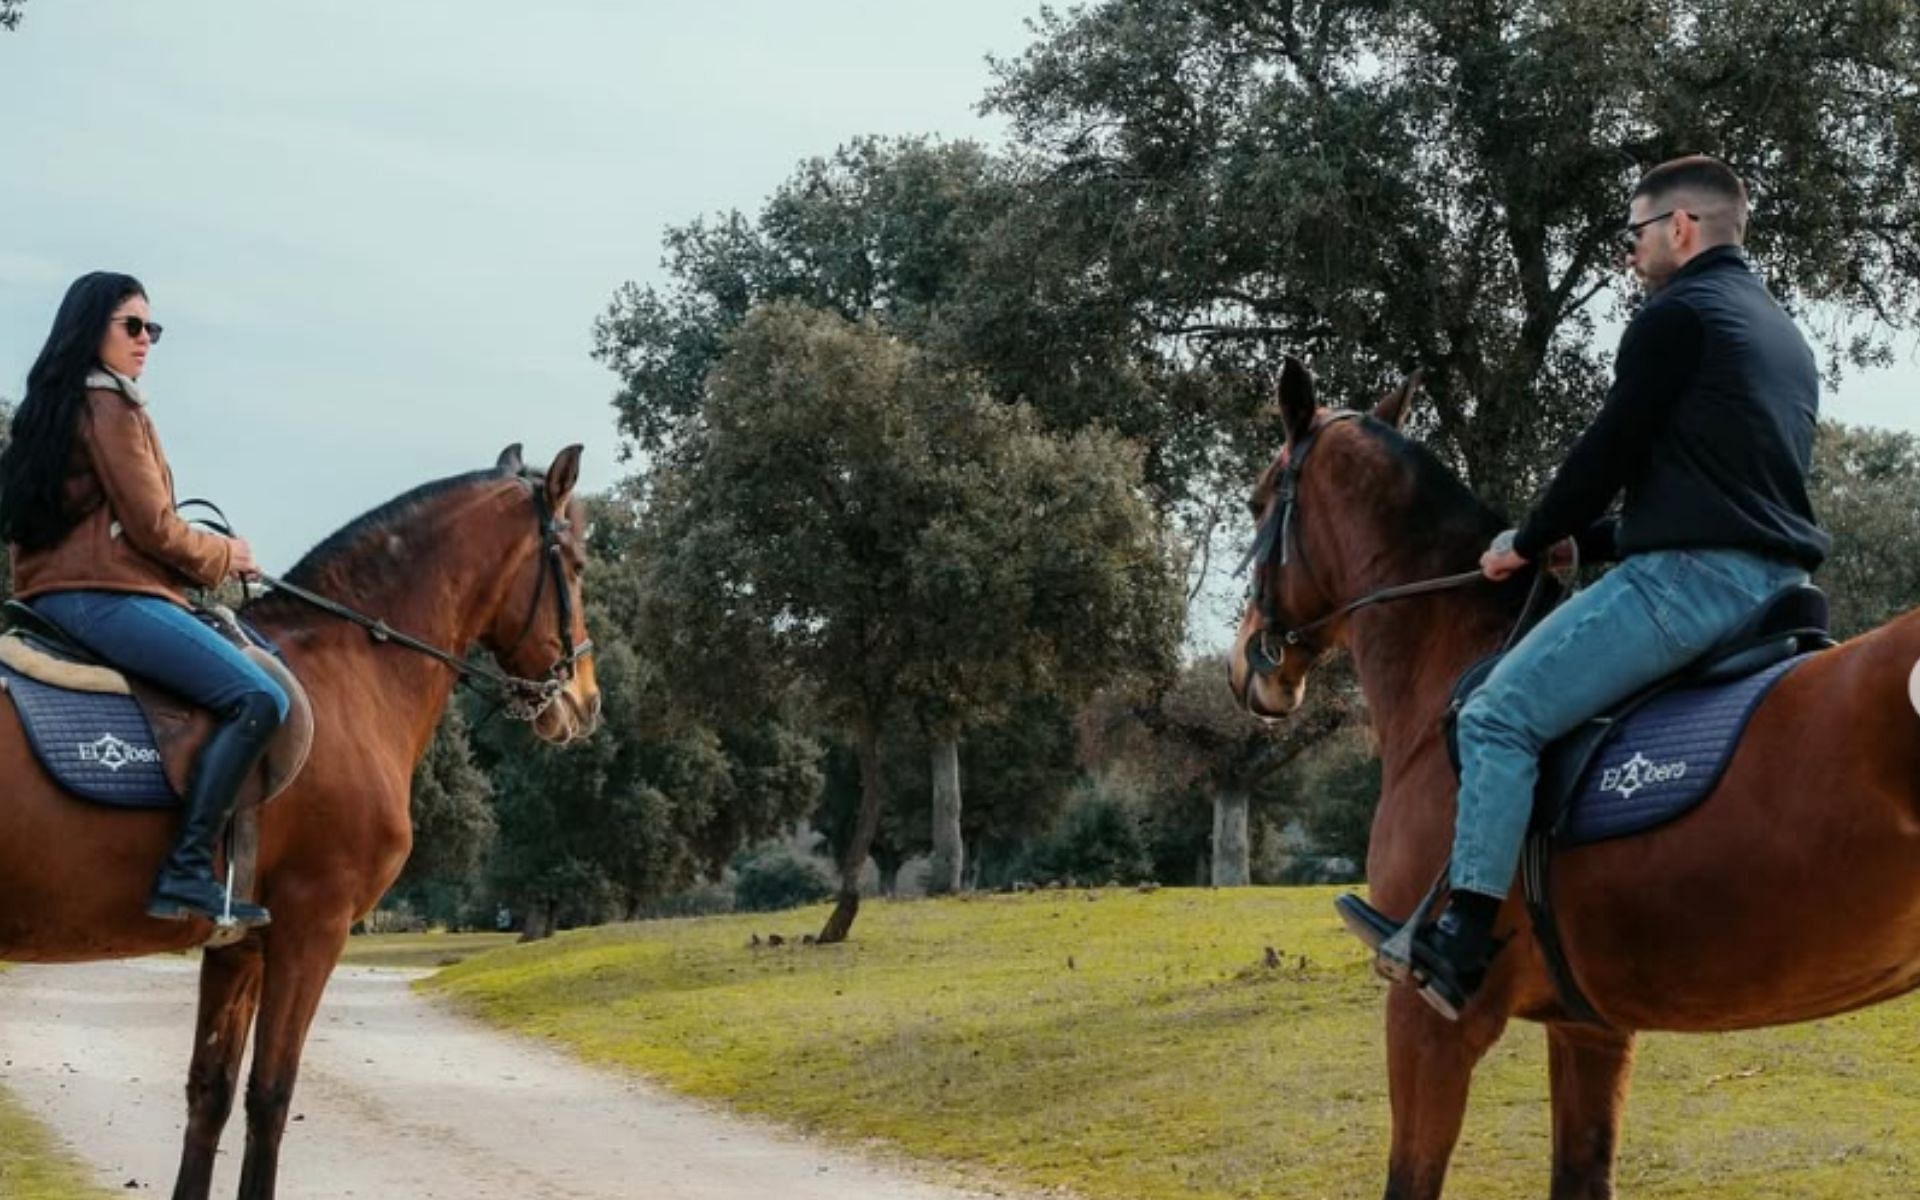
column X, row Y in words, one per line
column 114, row 739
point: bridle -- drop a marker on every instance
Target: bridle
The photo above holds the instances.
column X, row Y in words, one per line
column 1276, row 535
column 521, row 699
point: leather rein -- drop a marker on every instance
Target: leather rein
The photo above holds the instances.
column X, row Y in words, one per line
column 522, row 699
column 1276, row 534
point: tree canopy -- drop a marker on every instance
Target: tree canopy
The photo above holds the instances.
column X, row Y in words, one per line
column 1434, row 184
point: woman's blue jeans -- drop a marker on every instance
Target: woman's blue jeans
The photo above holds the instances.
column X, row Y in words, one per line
column 1642, row 621
column 163, row 644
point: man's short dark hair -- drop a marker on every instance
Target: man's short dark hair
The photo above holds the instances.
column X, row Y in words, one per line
column 1706, row 179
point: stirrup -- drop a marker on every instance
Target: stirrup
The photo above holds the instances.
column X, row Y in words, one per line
column 1391, row 941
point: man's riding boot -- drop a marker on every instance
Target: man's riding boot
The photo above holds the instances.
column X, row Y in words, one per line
column 1451, row 956
column 185, row 886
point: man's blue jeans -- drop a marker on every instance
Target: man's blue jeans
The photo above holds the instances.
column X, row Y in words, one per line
column 162, row 643
column 1642, row 621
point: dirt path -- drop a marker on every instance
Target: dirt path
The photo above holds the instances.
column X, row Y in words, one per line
column 397, row 1099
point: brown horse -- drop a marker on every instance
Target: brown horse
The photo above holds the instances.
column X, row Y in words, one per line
column 470, row 560
column 1793, row 892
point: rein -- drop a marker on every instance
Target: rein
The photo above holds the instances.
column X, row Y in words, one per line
column 525, row 699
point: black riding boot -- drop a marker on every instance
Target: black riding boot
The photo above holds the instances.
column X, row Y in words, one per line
column 1451, row 956
column 185, row 886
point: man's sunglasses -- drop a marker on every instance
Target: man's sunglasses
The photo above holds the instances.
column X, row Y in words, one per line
column 1630, row 232
column 135, row 326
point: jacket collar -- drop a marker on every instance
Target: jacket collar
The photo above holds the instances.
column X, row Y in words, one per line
column 113, row 381
column 1727, row 255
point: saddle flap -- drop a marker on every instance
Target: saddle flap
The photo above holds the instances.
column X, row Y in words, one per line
column 181, row 729
column 113, row 739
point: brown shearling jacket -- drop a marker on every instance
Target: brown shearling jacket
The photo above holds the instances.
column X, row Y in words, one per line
column 128, row 537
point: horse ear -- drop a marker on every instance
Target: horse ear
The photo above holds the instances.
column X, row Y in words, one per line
column 510, row 460
column 1297, row 404
column 1395, row 405
column 562, row 475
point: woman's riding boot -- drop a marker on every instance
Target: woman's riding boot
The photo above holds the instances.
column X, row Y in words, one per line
column 185, row 886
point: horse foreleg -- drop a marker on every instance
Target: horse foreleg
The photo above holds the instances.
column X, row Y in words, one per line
column 299, row 957
column 1430, row 1063
column 1589, row 1068
column 229, row 993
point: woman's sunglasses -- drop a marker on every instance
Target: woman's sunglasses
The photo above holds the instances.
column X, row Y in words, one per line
column 135, row 326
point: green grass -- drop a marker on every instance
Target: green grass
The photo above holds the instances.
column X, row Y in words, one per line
column 1136, row 1046
column 429, row 950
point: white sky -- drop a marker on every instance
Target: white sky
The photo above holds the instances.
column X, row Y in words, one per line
column 379, row 233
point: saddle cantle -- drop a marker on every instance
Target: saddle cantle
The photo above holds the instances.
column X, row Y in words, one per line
column 1659, row 753
column 115, row 740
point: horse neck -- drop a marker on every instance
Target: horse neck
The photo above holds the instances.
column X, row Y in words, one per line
column 1409, row 653
column 458, row 567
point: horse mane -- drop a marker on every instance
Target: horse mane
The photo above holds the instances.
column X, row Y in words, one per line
column 1455, row 524
column 355, row 559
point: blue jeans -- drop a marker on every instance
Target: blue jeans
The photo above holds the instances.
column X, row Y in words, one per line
column 1642, row 621
column 162, row 643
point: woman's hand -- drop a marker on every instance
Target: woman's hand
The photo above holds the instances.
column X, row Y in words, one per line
column 242, row 565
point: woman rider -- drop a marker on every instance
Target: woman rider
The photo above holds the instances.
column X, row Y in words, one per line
column 86, row 506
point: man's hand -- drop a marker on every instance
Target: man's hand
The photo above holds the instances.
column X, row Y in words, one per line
column 1500, row 561
column 242, row 565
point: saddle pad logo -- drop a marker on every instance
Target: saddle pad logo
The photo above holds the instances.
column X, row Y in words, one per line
column 112, row 753
column 1639, row 772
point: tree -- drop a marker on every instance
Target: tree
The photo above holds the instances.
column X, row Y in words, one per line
column 10, row 13
column 1192, row 746
column 651, row 803
column 933, row 242
column 1866, row 492
column 859, row 520
column 1428, row 183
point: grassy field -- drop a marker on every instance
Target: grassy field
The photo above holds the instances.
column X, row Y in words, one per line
column 1138, row 1046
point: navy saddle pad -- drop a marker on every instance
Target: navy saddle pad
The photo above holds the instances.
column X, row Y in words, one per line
column 1652, row 764
column 97, row 746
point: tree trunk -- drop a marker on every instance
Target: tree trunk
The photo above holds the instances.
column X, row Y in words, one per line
column 539, row 922
column 840, row 921
column 1230, row 844
column 945, row 871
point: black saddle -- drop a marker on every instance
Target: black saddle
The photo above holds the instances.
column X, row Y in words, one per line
column 46, row 636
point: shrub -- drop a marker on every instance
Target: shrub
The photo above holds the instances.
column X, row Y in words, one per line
column 779, row 877
column 1098, row 840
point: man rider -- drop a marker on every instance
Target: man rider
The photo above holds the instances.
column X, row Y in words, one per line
column 1708, row 431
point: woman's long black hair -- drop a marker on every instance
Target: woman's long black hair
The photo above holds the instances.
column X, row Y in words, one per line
column 33, row 467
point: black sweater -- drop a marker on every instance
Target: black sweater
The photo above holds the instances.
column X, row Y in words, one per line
column 1708, row 428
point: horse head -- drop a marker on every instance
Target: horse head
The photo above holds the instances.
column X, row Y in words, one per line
column 1323, row 531
column 538, row 630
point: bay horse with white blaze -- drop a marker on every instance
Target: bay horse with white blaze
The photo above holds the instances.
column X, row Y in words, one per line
column 491, row 559
column 1792, row 892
